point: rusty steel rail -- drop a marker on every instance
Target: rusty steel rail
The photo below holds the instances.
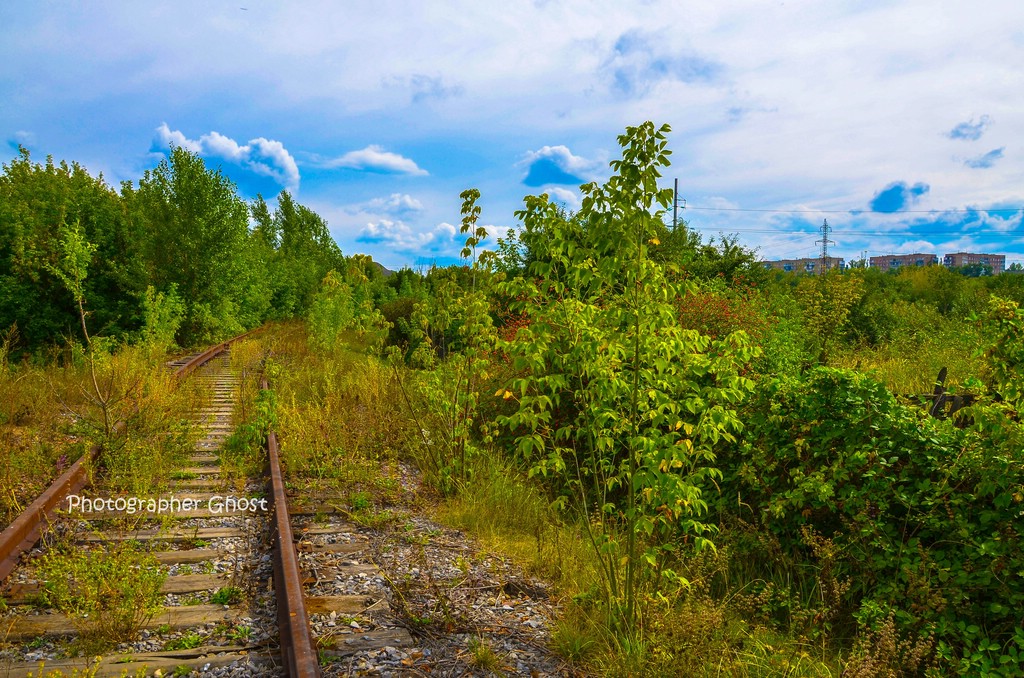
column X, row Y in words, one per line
column 25, row 530
column 209, row 354
column 298, row 651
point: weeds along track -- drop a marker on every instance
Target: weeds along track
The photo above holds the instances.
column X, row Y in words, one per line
column 336, row 596
column 179, row 579
column 203, row 572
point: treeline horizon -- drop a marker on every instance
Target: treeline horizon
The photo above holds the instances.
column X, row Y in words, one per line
column 183, row 248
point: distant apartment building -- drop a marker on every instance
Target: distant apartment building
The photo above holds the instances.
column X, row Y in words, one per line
column 959, row 259
column 806, row 265
column 894, row 262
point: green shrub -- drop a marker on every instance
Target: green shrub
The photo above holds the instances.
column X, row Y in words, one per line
column 924, row 517
column 332, row 312
column 189, row 641
column 109, row 594
column 339, row 307
column 227, row 595
column 163, row 313
column 1006, row 352
column 620, row 408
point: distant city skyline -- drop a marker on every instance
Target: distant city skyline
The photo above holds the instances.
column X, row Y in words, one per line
column 867, row 255
column 994, row 261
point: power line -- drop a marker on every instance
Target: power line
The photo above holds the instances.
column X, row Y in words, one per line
column 899, row 234
column 854, row 212
column 964, row 230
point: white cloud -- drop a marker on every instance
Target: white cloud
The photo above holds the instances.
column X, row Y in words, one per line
column 493, row 233
column 175, row 138
column 562, row 157
column 270, row 158
column 571, row 199
column 373, row 158
column 399, row 236
column 220, row 146
column 556, row 165
column 266, row 157
column 913, row 246
column 1002, row 222
column 394, row 203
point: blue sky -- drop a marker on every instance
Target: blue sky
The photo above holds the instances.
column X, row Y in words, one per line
column 899, row 122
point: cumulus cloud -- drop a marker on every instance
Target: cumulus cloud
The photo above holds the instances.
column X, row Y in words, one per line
column 897, row 196
column 999, row 219
column 220, row 146
column 986, row 160
column 555, row 165
column 494, row 232
column 170, row 137
column 373, row 158
column 400, row 237
column 262, row 156
column 970, row 130
column 570, row 199
column 394, row 204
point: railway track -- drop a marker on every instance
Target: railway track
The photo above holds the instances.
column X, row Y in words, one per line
column 234, row 600
column 260, row 583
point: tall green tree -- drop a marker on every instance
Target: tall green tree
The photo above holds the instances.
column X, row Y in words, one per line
column 617, row 403
column 37, row 201
column 827, row 302
column 196, row 230
column 299, row 252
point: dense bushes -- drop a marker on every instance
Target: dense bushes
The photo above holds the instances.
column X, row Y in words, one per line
column 925, row 516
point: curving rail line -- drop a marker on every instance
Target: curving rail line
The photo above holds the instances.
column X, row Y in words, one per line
column 298, row 651
column 22, row 534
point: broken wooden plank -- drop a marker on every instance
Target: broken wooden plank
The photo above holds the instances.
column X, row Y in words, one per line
column 327, row 574
column 347, row 643
column 347, row 529
column 347, row 548
column 344, row 604
column 187, row 556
